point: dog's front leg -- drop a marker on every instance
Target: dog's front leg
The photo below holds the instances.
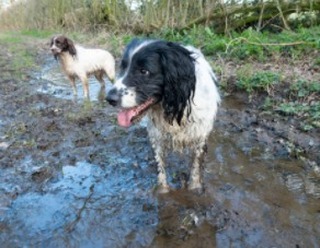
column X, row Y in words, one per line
column 195, row 175
column 163, row 186
column 158, row 148
column 85, row 88
column 102, row 91
column 73, row 85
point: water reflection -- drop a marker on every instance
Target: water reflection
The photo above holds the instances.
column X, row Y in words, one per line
column 55, row 83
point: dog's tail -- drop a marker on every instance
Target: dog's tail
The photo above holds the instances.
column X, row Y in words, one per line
column 110, row 67
column 110, row 70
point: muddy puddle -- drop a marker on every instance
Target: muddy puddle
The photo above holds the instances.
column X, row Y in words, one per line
column 106, row 197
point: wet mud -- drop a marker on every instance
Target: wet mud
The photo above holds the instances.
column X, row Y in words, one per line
column 70, row 177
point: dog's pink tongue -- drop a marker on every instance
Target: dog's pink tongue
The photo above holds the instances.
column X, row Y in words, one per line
column 125, row 116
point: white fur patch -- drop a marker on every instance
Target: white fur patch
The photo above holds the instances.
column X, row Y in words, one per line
column 88, row 61
column 128, row 94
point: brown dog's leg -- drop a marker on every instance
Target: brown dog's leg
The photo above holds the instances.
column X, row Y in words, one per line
column 73, row 85
column 85, row 86
column 102, row 92
column 99, row 76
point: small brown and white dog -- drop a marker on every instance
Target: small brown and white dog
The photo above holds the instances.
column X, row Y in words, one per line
column 79, row 62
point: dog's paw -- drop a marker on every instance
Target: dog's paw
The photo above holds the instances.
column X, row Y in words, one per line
column 163, row 189
column 196, row 187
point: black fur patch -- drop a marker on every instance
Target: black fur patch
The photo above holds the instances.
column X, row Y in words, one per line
column 164, row 71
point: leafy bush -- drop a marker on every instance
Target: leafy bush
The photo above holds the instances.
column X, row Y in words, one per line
column 259, row 81
column 303, row 102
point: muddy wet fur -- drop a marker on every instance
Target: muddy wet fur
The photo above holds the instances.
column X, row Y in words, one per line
column 175, row 87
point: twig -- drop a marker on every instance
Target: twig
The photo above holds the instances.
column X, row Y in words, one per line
column 267, row 44
column 261, row 15
column 70, row 227
column 282, row 16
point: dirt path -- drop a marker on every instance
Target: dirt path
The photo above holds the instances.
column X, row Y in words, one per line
column 70, row 177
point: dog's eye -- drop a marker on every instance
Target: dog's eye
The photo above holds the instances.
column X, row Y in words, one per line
column 144, row 72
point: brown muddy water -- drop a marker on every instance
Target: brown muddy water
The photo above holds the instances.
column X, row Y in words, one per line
column 85, row 182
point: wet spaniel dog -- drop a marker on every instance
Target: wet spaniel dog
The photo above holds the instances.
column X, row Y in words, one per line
column 79, row 62
column 176, row 88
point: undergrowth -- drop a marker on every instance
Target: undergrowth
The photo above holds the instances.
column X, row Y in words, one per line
column 22, row 58
column 249, row 44
column 243, row 50
column 258, row 81
column 303, row 102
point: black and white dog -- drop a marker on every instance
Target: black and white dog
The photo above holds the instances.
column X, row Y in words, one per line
column 175, row 86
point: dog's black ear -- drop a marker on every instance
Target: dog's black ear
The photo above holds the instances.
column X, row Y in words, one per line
column 70, row 47
column 179, row 81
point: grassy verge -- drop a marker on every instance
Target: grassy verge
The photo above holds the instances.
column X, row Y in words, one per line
column 249, row 44
column 21, row 52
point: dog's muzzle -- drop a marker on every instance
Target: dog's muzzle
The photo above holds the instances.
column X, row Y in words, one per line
column 54, row 51
column 113, row 97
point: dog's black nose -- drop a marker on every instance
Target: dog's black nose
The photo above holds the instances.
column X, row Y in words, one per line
column 113, row 97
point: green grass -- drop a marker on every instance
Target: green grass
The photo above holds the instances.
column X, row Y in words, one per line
column 258, row 81
column 302, row 89
column 15, row 37
column 35, row 33
column 302, row 102
column 248, row 44
column 23, row 57
column 309, row 114
column 8, row 38
column 253, row 81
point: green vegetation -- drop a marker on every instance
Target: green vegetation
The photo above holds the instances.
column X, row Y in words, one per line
column 140, row 16
column 304, row 103
column 35, row 33
column 258, row 81
column 257, row 48
column 21, row 59
column 249, row 44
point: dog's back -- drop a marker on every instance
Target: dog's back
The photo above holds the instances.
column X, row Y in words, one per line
column 91, row 60
column 197, row 126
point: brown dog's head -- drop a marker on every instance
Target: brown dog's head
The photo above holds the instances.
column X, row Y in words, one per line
column 60, row 44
